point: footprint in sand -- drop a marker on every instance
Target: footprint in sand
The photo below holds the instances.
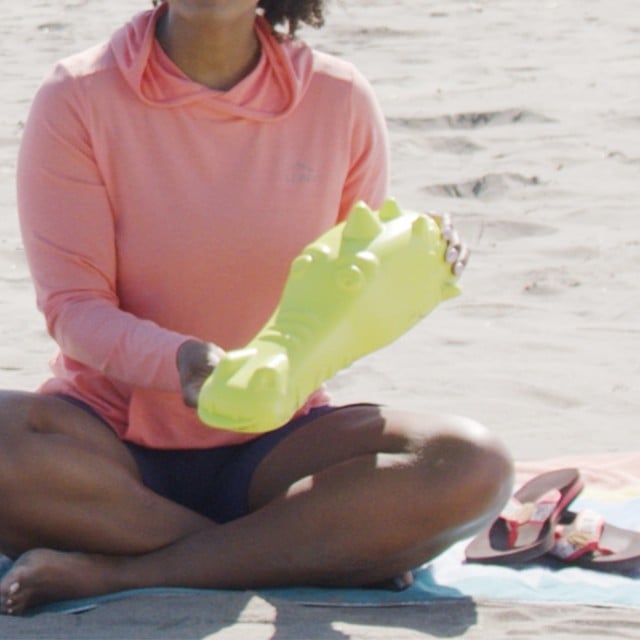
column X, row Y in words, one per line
column 478, row 230
column 488, row 187
column 471, row 120
column 549, row 281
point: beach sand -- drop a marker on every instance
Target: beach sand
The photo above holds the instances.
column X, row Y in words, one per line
column 523, row 121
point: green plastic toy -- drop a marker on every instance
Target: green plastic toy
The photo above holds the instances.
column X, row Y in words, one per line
column 357, row 288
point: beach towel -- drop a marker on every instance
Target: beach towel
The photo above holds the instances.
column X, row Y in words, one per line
column 612, row 488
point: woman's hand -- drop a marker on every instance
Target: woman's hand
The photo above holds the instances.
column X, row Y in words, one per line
column 457, row 254
column 196, row 360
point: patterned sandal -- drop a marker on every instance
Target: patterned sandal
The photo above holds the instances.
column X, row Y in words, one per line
column 588, row 541
column 525, row 529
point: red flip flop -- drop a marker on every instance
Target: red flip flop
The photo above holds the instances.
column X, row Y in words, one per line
column 526, row 528
column 585, row 539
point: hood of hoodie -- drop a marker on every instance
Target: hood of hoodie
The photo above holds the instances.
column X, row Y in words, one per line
column 271, row 91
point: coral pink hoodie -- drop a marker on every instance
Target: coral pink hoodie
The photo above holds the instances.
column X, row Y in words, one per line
column 154, row 209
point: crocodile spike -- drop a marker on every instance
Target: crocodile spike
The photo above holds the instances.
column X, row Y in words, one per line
column 420, row 227
column 362, row 224
column 389, row 210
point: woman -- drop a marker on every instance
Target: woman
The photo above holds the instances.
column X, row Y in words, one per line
column 166, row 179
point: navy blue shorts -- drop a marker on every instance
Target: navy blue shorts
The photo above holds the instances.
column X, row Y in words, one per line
column 213, row 482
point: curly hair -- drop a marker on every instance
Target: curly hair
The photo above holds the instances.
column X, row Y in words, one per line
column 288, row 12
column 293, row 12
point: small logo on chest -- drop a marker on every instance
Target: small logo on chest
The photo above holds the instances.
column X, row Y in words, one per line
column 302, row 172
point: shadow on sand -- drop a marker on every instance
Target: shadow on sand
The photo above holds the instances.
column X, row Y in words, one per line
column 204, row 615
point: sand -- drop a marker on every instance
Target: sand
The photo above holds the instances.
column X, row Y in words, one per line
column 522, row 120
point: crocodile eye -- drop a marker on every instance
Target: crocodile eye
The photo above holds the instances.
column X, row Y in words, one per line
column 300, row 265
column 350, row 278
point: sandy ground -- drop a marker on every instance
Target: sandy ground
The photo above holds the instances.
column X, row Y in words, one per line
column 249, row 617
column 522, row 119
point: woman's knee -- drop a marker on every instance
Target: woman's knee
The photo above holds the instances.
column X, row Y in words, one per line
column 29, row 420
column 15, row 412
column 23, row 412
column 468, row 468
column 16, row 407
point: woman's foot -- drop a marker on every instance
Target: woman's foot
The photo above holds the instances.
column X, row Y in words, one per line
column 399, row 583
column 41, row 576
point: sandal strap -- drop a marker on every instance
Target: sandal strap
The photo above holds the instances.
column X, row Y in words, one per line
column 516, row 514
column 581, row 537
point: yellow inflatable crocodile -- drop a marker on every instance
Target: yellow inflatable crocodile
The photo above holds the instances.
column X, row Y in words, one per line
column 358, row 287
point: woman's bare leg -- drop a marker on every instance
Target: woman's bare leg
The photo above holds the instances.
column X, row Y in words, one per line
column 352, row 498
column 67, row 482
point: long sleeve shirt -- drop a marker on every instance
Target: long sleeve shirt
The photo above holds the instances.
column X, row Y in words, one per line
column 154, row 210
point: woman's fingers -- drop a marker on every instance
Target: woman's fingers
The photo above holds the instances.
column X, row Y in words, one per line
column 454, row 246
column 446, row 224
column 461, row 262
column 457, row 254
